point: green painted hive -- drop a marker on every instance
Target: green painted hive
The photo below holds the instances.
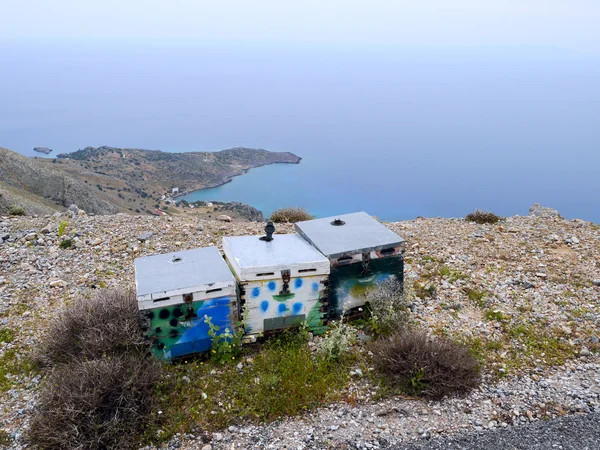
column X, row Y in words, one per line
column 362, row 253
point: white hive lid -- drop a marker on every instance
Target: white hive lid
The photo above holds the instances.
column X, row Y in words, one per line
column 359, row 233
column 194, row 270
column 253, row 259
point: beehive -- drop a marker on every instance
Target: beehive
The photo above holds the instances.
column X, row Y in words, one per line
column 282, row 282
column 175, row 291
column 362, row 253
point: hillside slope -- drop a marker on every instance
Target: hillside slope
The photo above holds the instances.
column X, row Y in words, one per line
column 136, row 180
column 39, row 185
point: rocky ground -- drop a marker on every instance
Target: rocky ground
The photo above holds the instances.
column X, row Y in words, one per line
column 525, row 292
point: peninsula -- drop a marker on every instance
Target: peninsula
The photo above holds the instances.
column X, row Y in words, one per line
column 108, row 180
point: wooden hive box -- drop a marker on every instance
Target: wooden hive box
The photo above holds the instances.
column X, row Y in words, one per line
column 362, row 253
column 175, row 291
column 282, row 282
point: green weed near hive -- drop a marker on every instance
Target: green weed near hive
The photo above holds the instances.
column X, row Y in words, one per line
column 198, row 393
column 11, row 363
column 6, row 335
column 62, row 227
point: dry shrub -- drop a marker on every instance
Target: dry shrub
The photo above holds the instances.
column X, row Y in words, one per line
column 482, row 217
column 96, row 404
column 290, row 215
column 387, row 303
column 100, row 377
column 107, row 324
column 426, row 366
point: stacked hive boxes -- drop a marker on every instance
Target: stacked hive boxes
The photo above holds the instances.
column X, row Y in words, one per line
column 272, row 282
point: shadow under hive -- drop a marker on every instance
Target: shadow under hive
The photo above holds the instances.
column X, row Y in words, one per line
column 362, row 253
column 175, row 291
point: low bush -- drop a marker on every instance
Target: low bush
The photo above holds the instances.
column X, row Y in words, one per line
column 337, row 342
column 387, row 307
column 290, row 215
column 426, row 366
column 16, row 210
column 482, row 217
column 96, row 404
column 100, row 382
column 107, row 324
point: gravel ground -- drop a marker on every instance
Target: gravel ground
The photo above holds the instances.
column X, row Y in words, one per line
column 580, row 432
column 526, row 291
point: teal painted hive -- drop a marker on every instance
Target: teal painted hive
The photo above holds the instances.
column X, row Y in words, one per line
column 362, row 253
column 175, row 291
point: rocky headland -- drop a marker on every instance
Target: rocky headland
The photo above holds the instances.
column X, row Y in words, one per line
column 525, row 292
column 107, row 180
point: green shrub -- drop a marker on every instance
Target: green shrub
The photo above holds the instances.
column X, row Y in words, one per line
column 283, row 378
column 421, row 365
column 290, row 215
column 66, row 243
column 5, row 438
column 337, row 342
column 6, row 335
column 482, row 217
column 226, row 346
column 16, row 210
column 387, row 304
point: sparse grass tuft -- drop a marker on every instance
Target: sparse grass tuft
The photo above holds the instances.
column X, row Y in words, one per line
column 7, row 335
column 16, row 210
column 424, row 290
column 66, row 243
column 422, row 365
column 482, row 217
column 5, row 438
column 290, row 215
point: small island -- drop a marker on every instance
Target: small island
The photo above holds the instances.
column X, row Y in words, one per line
column 44, row 150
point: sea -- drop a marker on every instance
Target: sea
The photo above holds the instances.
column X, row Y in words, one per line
column 398, row 132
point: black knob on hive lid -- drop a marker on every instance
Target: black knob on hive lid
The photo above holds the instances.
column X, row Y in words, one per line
column 269, row 229
column 338, row 223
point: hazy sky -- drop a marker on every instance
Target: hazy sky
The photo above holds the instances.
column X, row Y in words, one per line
column 569, row 24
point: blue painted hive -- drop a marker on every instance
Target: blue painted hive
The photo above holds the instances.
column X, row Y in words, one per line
column 282, row 282
column 175, row 291
column 362, row 253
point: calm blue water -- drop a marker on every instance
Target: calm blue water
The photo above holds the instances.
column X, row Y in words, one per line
column 395, row 132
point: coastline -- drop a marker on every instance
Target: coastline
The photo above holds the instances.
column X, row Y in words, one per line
column 230, row 178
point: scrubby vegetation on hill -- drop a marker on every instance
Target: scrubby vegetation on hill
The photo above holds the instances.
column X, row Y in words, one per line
column 290, row 215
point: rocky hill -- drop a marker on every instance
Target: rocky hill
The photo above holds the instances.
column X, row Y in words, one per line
column 523, row 292
column 107, row 180
column 38, row 187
